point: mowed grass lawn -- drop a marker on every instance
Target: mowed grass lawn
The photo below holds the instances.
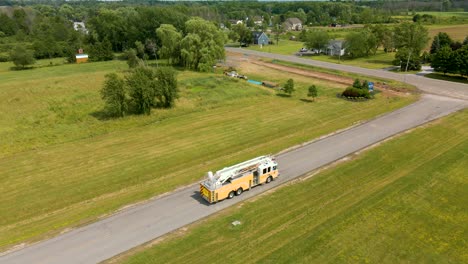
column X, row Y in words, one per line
column 62, row 164
column 405, row 201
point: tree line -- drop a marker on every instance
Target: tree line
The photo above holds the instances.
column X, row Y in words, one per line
column 449, row 56
column 150, row 32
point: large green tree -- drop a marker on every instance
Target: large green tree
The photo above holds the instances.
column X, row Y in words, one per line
column 407, row 59
column 440, row 40
column 7, row 25
column 461, row 60
column 150, row 88
column 101, row 51
column 442, row 61
column 142, row 85
column 360, row 44
column 21, row 57
column 166, row 87
column 244, row 34
column 170, row 42
column 114, row 95
column 410, row 40
column 316, row 39
column 202, row 46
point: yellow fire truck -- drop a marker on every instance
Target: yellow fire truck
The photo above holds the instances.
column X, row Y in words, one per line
column 234, row 180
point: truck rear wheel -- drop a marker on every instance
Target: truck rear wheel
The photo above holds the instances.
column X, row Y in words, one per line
column 239, row 191
column 231, row 195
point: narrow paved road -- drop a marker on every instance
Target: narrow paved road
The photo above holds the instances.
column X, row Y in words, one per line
column 137, row 225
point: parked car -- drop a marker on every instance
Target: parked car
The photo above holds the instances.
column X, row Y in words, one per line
column 303, row 50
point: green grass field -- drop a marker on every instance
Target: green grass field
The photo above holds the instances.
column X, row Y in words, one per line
column 404, row 201
column 63, row 165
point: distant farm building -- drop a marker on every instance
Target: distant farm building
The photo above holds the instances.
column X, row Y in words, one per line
column 81, row 57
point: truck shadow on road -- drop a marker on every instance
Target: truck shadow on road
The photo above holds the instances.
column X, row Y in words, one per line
column 196, row 196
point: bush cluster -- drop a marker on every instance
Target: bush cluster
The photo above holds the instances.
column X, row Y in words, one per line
column 358, row 90
column 141, row 90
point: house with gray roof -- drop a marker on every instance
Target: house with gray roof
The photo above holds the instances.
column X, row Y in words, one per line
column 292, row 23
column 260, row 38
column 335, row 48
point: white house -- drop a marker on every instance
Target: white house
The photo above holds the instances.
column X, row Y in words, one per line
column 80, row 26
column 292, row 23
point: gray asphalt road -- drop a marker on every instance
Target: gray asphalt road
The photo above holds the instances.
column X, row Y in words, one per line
column 444, row 88
column 142, row 223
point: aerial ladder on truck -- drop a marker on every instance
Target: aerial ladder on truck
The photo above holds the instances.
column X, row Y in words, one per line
column 233, row 180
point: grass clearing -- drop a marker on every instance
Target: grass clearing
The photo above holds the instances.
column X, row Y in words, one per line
column 61, row 165
column 404, row 201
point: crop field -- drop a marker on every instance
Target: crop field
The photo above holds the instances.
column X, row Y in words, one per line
column 445, row 14
column 62, row 163
column 403, row 201
column 456, row 32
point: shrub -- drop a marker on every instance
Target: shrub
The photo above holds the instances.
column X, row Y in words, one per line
column 357, row 84
column 352, row 92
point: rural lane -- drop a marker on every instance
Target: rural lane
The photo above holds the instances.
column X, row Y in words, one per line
column 141, row 223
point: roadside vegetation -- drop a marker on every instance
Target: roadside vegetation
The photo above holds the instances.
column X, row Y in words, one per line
column 411, row 207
